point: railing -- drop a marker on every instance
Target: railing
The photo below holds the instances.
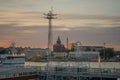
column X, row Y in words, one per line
column 87, row 72
column 20, row 71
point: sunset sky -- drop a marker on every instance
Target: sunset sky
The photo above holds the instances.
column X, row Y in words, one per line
column 92, row 22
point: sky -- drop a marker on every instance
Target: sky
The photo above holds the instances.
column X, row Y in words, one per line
column 92, row 22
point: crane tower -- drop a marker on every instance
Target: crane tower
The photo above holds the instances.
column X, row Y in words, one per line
column 50, row 16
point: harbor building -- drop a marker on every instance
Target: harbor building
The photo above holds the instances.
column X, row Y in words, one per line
column 32, row 51
column 86, row 48
column 84, row 52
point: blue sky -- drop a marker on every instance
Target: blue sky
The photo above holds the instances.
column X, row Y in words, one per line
column 92, row 22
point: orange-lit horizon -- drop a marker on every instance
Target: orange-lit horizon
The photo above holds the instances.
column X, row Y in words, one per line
column 5, row 44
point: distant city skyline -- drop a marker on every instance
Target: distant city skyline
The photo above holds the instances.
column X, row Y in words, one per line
column 92, row 22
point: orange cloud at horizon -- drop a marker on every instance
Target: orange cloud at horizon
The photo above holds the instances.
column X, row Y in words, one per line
column 7, row 44
column 4, row 44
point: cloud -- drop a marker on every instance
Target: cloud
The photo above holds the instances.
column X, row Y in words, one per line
column 36, row 36
column 96, row 17
column 92, row 36
column 28, row 28
column 21, row 18
column 23, row 36
column 90, row 20
column 30, row 18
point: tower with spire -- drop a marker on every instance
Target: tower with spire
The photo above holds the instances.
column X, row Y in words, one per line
column 58, row 47
column 58, row 40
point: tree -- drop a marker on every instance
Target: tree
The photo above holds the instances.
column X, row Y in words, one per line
column 107, row 53
column 87, row 49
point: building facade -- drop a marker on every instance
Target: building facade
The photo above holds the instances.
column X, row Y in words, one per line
column 30, row 52
column 58, row 47
column 86, row 48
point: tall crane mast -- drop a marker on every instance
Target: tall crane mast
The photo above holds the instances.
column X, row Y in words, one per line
column 50, row 16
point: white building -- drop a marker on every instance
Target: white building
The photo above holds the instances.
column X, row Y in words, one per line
column 84, row 54
column 79, row 46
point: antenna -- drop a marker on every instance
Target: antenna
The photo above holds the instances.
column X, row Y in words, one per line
column 50, row 16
